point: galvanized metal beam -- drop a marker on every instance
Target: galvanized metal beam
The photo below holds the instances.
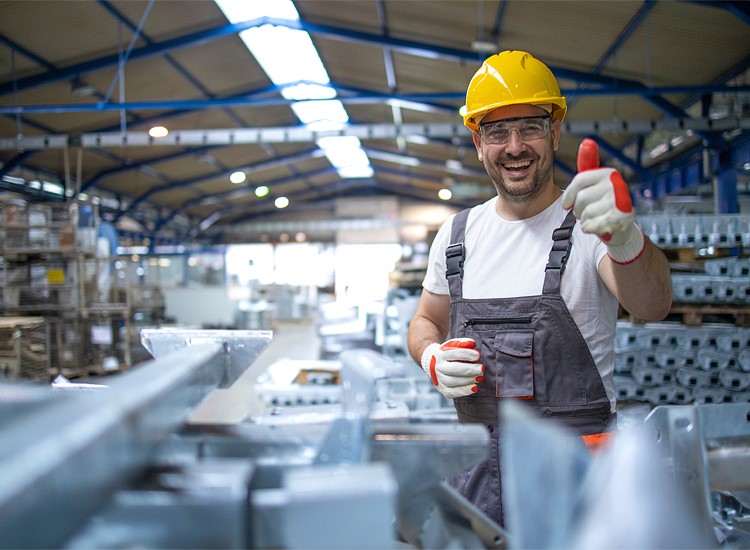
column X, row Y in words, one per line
column 60, row 473
column 292, row 134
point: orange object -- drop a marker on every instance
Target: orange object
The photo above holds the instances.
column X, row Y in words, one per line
column 588, row 155
column 595, row 442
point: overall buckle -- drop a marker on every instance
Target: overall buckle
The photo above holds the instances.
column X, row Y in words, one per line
column 454, row 260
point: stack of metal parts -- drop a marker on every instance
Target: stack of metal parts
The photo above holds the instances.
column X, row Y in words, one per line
column 295, row 383
column 724, row 281
column 343, row 328
column 697, row 231
column 401, row 305
column 678, row 479
column 121, row 467
column 669, row 363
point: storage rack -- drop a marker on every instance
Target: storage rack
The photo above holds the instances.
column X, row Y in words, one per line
column 53, row 270
column 701, row 352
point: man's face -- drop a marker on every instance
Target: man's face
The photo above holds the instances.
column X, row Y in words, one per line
column 519, row 169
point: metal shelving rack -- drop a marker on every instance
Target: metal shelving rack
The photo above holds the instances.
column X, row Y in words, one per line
column 51, row 269
column 700, row 354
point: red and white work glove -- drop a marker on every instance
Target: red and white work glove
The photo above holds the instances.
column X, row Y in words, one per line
column 453, row 367
column 601, row 201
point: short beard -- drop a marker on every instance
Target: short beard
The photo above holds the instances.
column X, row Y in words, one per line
column 541, row 177
column 516, row 195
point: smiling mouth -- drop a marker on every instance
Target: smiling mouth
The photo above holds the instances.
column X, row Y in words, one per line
column 517, row 165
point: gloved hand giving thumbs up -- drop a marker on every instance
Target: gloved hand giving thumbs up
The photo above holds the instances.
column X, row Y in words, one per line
column 453, row 367
column 601, row 201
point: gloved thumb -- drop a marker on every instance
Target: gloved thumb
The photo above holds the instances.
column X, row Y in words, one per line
column 588, row 155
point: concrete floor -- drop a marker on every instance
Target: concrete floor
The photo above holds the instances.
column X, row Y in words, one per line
column 291, row 340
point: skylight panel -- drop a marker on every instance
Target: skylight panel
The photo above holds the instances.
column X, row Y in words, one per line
column 237, row 11
column 289, row 58
column 321, row 115
column 346, row 155
column 301, row 92
column 286, row 55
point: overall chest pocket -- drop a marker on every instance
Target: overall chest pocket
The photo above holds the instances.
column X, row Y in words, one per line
column 514, row 372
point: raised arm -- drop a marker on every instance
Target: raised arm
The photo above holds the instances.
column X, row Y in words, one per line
column 635, row 270
column 643, row 287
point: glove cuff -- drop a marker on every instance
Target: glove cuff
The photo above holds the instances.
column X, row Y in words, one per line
column 631, row 249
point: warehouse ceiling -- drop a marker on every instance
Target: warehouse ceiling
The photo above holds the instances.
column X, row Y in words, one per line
column 662, row 85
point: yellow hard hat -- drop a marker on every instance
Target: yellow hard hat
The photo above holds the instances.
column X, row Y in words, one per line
column 511, row 78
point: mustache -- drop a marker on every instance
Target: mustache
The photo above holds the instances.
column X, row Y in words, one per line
column 515, row 158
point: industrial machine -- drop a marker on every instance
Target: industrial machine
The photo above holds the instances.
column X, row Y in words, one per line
column 121, row 466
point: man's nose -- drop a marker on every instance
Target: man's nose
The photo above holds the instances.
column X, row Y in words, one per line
column 515, row 141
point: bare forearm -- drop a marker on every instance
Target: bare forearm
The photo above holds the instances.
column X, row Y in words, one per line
column 643, row 287
column 422, row 333
column 430, row 323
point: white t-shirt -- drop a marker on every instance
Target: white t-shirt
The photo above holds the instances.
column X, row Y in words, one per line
column 507, row 258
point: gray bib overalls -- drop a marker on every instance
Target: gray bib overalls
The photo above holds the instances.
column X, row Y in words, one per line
column 532, row 350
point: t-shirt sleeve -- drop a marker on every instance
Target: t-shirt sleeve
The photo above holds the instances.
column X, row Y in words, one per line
column 434, row 280
column 600, row 251
column 594, row 246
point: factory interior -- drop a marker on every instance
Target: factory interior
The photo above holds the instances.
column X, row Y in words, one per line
column 215, row 222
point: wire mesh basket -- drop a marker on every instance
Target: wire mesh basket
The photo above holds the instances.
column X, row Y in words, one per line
column 23, row 348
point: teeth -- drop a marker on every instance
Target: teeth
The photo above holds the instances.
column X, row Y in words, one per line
column 520, row 164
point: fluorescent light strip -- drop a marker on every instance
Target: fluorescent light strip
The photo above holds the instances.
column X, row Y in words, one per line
column 288, row 56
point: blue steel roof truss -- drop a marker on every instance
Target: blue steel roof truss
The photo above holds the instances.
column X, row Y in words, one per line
column 589, row 83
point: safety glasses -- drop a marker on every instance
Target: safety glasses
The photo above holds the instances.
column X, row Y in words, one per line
column 528, row 128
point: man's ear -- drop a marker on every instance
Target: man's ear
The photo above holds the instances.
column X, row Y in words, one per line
column 556, row 131
column 477, row 143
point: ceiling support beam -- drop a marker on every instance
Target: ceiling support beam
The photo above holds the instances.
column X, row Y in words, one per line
column 404, row 46
column 614, row 47
column 127, row 166
column 617, row 154
column 280, row 161
column 688, row 171
column 234, row 194
column 16, row 161
column 740, row 9
column 109, row 61
column 247, row 100
column 168, row 58
column 297, row 134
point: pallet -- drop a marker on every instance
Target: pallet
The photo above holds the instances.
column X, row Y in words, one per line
column 696, row 315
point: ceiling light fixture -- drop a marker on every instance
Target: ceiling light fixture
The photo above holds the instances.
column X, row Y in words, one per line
column 482, row 44
column 445, row 194
column 80, row 89
column 238, row 177
column 158, row 132
column 281, row 202
column 262, row 191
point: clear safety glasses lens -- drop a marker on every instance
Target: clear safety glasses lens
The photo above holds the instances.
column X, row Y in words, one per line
column 528, row 129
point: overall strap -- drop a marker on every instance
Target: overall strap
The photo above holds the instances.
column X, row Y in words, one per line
column 558, row 256
column 454, row 255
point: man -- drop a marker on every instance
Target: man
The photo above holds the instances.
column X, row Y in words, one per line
column 521, row 294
